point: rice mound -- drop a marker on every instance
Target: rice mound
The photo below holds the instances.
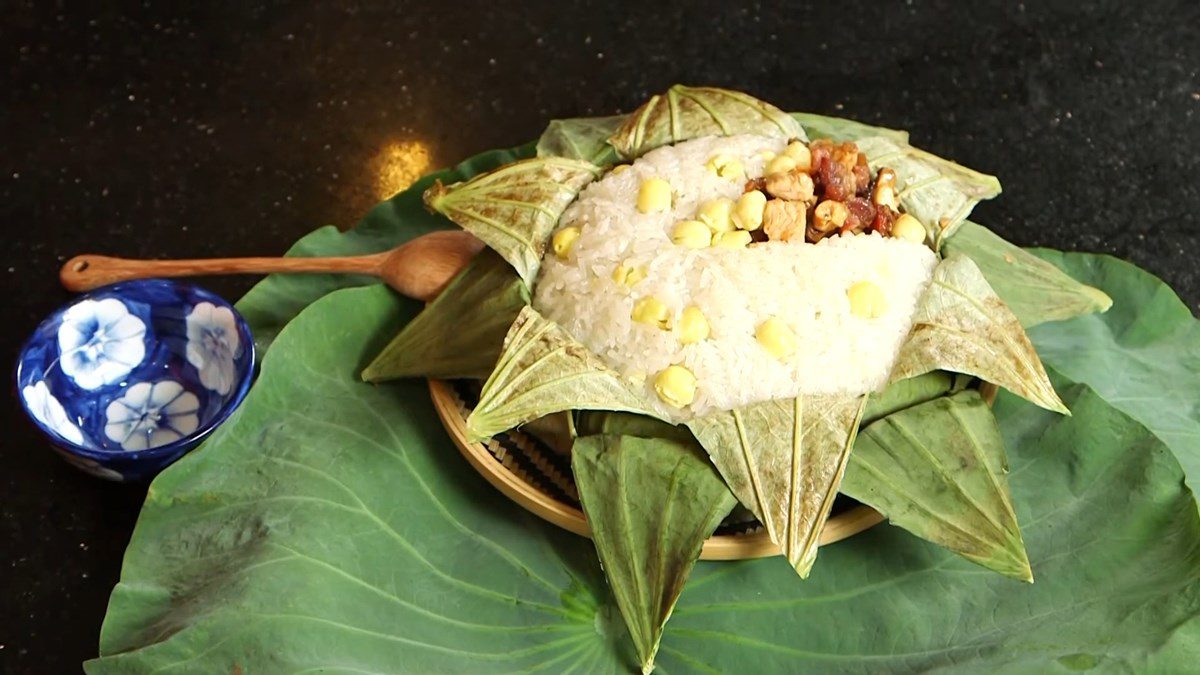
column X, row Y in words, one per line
column 802, row 284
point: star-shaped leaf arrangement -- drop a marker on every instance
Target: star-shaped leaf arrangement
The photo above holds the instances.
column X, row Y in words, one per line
column 783, row 459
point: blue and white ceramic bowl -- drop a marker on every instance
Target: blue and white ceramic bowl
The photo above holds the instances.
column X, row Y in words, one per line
column 129, row 377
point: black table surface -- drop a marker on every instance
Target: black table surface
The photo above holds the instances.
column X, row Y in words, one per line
column 233, row 128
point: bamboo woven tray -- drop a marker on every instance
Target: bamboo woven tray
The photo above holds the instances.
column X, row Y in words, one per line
column 538, row 477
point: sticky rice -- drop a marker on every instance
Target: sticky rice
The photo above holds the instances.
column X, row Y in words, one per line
column 737, row 290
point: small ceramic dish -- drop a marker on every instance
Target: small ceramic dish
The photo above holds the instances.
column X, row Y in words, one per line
column 128, row 378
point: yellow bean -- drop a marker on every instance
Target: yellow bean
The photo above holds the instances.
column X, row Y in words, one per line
column 866, row 300
column 676, row 386
column 717, row 214
column 654, row 195
column 780, row 164
column 776, row 337
column 563, row 241
column 691, row 234
column 748, row 212
column 908, row 228
column 693, row 326
column 652, row 312
column 735, row 239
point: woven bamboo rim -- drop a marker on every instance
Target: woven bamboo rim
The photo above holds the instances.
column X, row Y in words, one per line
column 717, row 547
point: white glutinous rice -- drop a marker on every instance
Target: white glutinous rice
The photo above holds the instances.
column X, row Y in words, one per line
column 804, row 285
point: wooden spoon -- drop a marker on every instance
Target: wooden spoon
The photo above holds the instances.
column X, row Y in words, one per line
column 419, row 269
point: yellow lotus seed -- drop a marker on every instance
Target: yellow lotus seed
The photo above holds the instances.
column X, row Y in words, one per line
column 780, row 164
column 909, row 228
column 676, row 386
column 748, row 212
column 776, row 337
column 717, row 214
column 800, row 154
column 563, row 240
column 866, row 300
column 627, row 275
column 654, row 195
column 726, row 167
column 735, row 239
column 652, row 312
column 693, row 327
column 691, row 234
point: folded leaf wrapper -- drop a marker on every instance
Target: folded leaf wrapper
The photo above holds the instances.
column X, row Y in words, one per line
column 784, row 461
column 543, row 370
column 460, row 333
column 584, row 138
column 962, row 326
column 651, row 503
column 515, row 208
column 938, row 470
column 691, row 112
column 1032, row 288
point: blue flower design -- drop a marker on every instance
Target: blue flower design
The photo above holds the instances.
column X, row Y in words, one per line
column 150, row 415
column 212, row 346
column 100, row 342
column 50, row 412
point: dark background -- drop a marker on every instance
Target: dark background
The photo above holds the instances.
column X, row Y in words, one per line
column 152, row 130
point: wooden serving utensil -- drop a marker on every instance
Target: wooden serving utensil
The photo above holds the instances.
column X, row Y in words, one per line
column 419, row 269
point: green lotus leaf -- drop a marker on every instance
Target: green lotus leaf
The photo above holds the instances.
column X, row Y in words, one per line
column 460, row 333
column 651, row 503
column 839, row 129
column 514, row 209
column 543, row 370
column 938, row 192
column 1032, row 288
column 584, row 138
column 962, row 326
column 1142, row 356
column 907, row 393
column 691, row 112
column 938, row 470
column 784, row 461
column 594, row 422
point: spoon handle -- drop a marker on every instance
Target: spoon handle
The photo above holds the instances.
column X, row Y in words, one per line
column 85, row 272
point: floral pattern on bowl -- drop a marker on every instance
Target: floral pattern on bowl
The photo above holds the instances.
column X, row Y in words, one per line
column 128, row 378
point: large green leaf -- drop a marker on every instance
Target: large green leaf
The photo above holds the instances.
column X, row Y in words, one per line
column 583, row 138
column 962, row 326
column 1142, row 356
column 513, row 209
column 460, row 333
column 329, row 523
column 938, row 192
column 651, row 503
column 784, row 461
column 1032, row 288
column 938, row 470
column 691, row 112
column 543, row 370
column 839, row 129
column 334, row 528
column 277, row 299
